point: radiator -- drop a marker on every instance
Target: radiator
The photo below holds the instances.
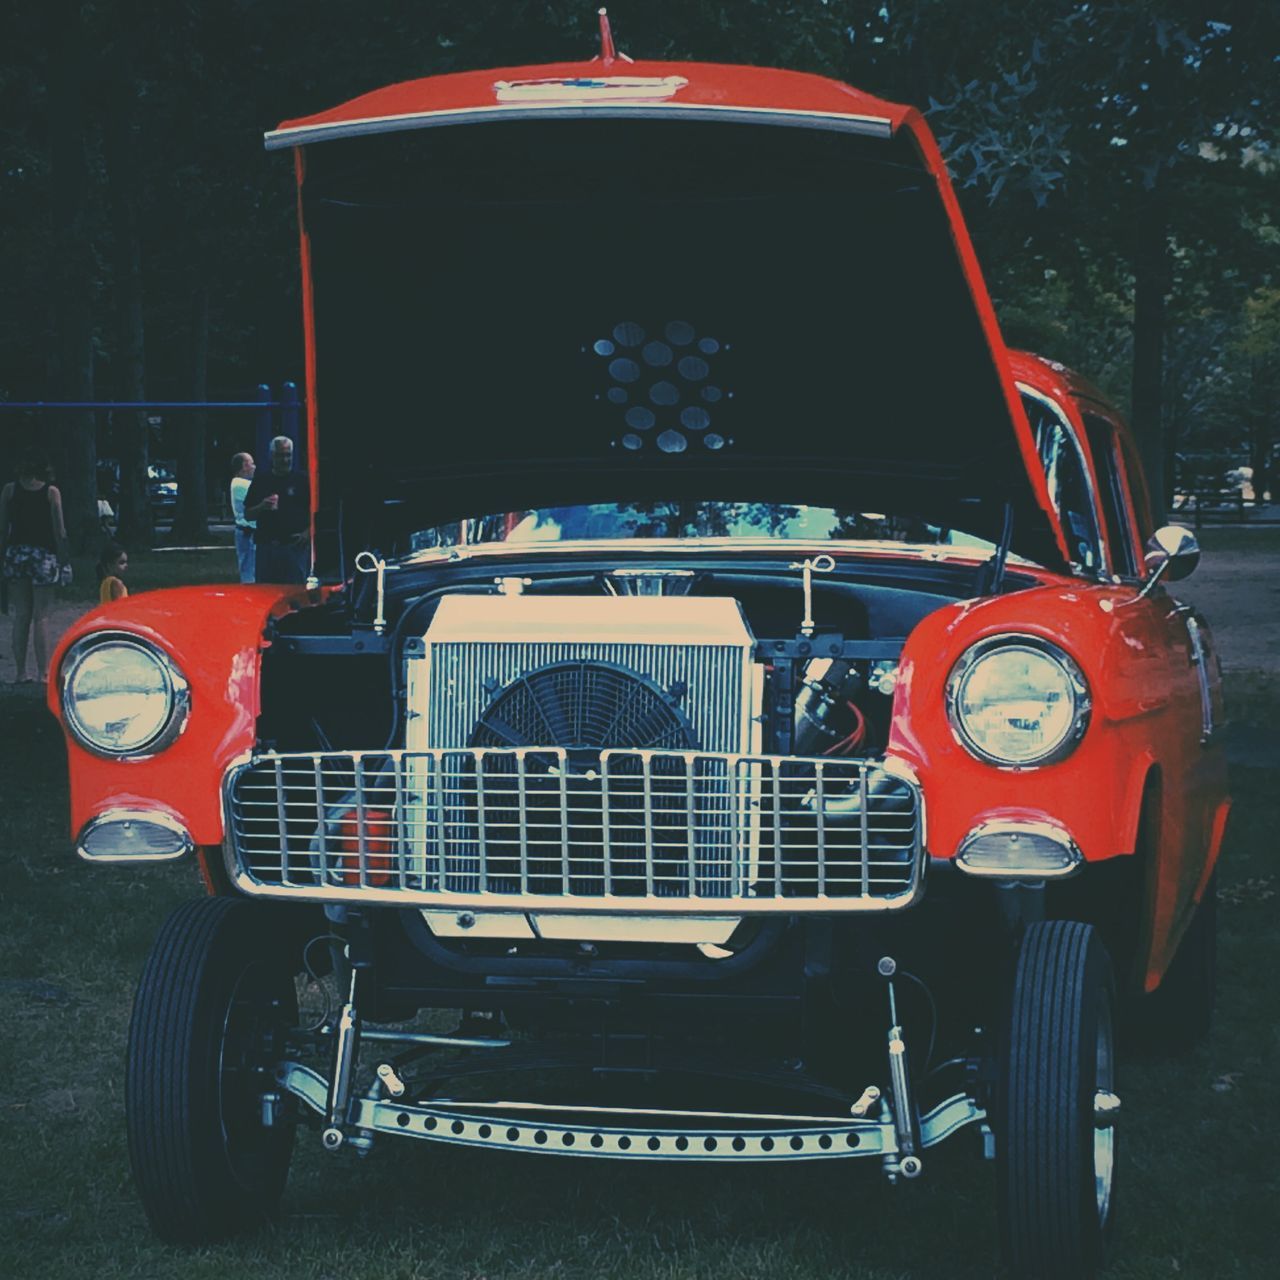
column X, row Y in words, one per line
column 696, row 653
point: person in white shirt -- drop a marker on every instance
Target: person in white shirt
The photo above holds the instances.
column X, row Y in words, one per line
column 242, row 472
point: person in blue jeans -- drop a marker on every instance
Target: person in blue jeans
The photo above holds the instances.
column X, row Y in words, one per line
column 242, row 469
column 279, row 500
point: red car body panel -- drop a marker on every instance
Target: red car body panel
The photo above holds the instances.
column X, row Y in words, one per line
column 468, row 97
column 1146, row 722
column 1145, row 728
column 215, row 636
column 711, row 85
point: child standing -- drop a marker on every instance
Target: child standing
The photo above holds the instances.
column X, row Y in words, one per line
column 112, row 565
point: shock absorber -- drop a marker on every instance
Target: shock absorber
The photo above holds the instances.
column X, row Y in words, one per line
column 906, row 1119
column 346, row 1050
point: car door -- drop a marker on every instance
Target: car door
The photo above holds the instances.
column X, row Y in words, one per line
column 1191, row 781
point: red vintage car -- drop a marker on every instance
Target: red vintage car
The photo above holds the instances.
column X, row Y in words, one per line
column 729, row 678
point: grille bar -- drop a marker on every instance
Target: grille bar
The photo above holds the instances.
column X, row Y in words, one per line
column 529, row 828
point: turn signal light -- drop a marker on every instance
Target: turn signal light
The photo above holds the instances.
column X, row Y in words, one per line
column 378, row 863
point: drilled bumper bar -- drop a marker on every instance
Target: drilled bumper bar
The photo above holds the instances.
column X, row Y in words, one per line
column 619, row 1133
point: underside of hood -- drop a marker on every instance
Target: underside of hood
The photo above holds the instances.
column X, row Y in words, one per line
column 538, row 312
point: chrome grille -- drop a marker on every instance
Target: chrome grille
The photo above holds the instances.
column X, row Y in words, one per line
column 532, row 829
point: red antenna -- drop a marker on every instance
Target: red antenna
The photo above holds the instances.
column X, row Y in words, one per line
column 608, row 54
column 607, row 51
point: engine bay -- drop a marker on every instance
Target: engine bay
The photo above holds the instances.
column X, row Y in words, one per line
column 823, row 642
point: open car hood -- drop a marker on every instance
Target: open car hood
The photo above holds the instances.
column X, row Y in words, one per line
column 544, row 286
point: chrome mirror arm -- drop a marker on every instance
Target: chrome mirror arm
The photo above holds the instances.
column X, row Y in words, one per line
column 1172, row 551
column 1150, row 585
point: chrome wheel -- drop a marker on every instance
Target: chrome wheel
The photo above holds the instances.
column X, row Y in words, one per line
column 1106, row 1108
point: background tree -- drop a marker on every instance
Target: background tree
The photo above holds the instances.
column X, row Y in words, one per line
column 1115, row 160
column 1108, row 115
column 73, row 268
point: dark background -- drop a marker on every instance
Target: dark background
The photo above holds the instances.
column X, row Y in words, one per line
column 1116, row 162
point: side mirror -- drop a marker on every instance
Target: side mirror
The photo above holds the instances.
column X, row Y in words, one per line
column 1172, row 553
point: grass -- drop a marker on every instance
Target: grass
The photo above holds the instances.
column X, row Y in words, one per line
column 1198, row 1179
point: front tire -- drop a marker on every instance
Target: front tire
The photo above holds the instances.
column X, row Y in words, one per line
column 212, row 1004
column 1055, row 1164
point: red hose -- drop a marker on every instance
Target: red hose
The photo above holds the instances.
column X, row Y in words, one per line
column 855, row 737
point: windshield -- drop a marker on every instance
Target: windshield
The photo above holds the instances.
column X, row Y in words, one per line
column 607, row 520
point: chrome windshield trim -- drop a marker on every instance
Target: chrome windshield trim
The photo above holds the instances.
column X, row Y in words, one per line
column 695, row 546
column 1106, row 568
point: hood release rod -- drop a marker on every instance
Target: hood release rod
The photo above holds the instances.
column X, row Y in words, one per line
column 367, row 562
column 815, row 564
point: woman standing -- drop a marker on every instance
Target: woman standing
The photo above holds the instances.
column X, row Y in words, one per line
column 34, row 540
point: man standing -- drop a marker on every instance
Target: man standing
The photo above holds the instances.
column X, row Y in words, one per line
column 242, row 469
column 280, row 502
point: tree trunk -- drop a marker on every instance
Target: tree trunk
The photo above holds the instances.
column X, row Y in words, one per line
column 72, row 276
column 1261, row 406
column 191, row 521
column 1150, row 285
column 136, row 528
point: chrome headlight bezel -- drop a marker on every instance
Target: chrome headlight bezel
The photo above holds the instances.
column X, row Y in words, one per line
column 1012, row 641
column 176, row 688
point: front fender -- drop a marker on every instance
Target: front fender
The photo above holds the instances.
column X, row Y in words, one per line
column 216, row 636
column 1096, row 792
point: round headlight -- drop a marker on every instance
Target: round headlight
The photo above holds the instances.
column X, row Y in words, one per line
column 122, row 696
column 1017, row 700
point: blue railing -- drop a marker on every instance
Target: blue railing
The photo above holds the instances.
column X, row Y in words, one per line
column 289, row 405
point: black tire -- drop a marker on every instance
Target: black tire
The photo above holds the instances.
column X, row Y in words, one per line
column 214, row 997
column 1055, row 1169
column 1179, row 1012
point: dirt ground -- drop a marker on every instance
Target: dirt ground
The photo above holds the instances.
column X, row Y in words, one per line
column 61, row 616
column 1237, row 587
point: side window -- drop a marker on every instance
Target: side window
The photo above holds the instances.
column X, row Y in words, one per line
column 1115, row 500
column 1068, row 481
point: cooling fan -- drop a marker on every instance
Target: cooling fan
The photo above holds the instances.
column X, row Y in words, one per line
column 585, row 707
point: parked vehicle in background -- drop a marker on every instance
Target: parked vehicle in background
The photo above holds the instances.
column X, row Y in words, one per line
column 108, row 479
column 744, row 691
column 162, row 486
